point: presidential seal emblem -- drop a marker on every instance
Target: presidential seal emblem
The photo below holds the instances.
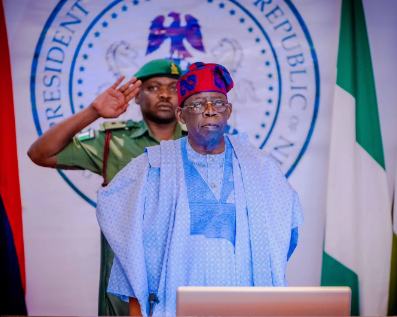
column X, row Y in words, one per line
column 265, row 44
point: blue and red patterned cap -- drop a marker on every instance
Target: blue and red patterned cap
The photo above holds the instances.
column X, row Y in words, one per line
column 203, row 77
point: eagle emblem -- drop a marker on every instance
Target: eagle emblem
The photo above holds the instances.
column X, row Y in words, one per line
column 177, row 33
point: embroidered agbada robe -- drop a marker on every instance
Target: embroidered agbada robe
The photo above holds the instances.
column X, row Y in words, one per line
column 144, row 214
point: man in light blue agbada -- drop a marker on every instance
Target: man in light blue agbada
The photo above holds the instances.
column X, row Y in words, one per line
column 206, row 210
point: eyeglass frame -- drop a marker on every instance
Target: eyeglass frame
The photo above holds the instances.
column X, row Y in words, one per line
column 226, row 105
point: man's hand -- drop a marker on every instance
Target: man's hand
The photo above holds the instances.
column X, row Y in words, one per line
column 113, row 102
column 135, row 308
column 110, row 104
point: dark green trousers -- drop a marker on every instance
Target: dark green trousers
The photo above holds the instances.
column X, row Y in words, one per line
column 109, row 305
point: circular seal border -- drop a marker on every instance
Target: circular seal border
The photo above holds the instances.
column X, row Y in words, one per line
column 277, row 64
column 317, row 81
column 116, row 2
column 33, row 71
column 78, row 47
column 61, row 3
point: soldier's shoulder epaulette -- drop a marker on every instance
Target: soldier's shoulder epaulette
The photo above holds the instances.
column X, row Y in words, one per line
column 118, row 125
column 84, row 136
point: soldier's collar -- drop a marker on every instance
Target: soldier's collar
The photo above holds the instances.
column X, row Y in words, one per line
column 178, row 131
column 142, row 128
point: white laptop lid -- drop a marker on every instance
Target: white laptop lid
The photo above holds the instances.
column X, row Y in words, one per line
column 263, row 301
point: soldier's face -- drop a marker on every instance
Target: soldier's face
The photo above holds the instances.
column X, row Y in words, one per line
column 158, row 99
column 209, row 126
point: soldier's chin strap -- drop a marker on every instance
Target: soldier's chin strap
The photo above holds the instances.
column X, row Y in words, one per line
column 108, row 136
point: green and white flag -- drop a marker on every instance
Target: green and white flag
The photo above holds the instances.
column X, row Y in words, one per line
column 358, row 234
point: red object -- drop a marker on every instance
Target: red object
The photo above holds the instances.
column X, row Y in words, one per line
column 9, row 176
column 108, row 136
column 203, row 77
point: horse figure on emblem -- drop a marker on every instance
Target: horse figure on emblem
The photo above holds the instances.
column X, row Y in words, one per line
column 230, row 54
column 121, row 59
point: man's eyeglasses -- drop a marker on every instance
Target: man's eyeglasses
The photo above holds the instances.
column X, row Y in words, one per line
column 200, row 106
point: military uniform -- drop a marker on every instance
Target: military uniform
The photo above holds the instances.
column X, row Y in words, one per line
column 128, row 139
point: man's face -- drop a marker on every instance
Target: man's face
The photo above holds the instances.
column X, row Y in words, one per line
column 158, row 99
column 209, row 126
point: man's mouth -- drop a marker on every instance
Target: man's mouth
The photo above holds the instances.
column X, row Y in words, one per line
column 164, row 106
column 210, row 126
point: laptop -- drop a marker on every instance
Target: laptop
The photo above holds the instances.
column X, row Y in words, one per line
column 263, row 301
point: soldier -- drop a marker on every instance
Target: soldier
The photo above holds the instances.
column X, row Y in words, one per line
column 108, row 150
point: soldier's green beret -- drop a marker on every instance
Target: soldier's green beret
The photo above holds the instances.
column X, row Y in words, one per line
column 159, row 68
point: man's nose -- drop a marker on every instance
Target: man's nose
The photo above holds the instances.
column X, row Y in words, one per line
column 210, row 111
column 164, row 93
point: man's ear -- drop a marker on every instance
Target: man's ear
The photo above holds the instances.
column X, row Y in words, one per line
column 230, row 110
column 138, row 97
column 179, row 115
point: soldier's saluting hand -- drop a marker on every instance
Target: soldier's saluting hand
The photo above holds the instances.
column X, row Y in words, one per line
column 114, row 101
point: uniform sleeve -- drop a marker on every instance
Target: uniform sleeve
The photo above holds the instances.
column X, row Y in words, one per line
column 83, row 155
